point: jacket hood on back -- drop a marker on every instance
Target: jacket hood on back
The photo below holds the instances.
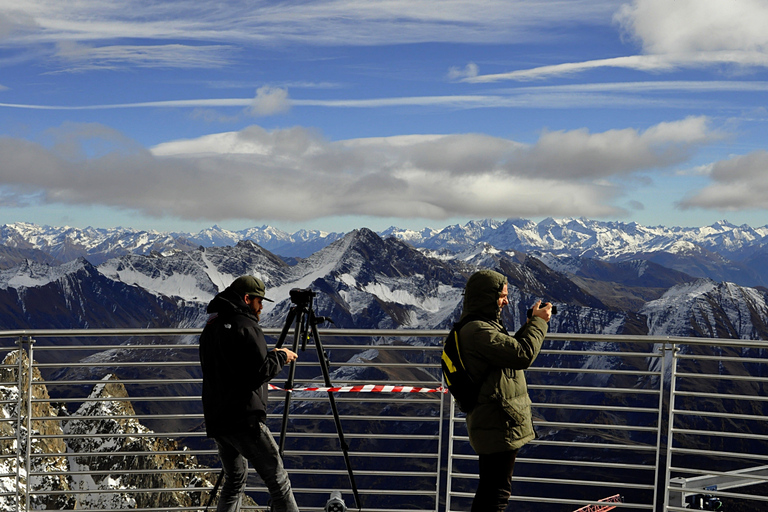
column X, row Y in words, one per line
column 481, row 294
column 227, row 301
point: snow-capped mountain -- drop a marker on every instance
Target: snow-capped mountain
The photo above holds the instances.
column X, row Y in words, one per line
column 78, row 295
column 62, row 244
column 364, row 281
column 722, row 251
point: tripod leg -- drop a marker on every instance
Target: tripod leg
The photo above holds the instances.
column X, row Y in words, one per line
column 324, row 365
column 300, row 316
column 286, row 326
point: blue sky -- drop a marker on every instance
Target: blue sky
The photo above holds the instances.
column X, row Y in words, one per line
column 333, row 115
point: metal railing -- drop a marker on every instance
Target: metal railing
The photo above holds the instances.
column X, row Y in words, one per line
column 111, row 419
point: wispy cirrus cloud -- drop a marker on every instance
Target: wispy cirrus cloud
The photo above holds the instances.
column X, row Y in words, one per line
column 101, row 33
column 272, row 100
column 80, row 57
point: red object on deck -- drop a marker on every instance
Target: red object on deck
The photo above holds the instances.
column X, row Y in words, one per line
column 616, row 498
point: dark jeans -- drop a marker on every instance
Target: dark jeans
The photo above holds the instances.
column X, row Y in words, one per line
column 495, row 485
column 258, row 447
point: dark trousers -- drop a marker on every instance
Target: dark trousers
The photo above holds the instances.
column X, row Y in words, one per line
column 259, row 448
column 495, row 485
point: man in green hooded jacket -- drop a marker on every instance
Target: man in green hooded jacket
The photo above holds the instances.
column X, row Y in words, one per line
column 501, row 421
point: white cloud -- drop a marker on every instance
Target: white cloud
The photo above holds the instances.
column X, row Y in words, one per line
column 296, row 174
column 692, row 26
column 674, row 34
column 469, row 71
column 737, row 184
column 269, row 101
column 579, row 154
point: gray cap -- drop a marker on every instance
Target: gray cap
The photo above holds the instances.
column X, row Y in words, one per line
column 249, row 285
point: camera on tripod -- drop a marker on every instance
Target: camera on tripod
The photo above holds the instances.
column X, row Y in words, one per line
column 301, row 295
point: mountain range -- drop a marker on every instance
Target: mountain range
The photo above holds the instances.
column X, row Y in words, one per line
column 722, row 251
column 607, row 278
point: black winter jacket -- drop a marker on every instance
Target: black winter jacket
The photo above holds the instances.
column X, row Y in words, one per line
column 236, row 366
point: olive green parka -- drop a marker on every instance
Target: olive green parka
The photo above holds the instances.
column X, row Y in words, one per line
column 501, row 421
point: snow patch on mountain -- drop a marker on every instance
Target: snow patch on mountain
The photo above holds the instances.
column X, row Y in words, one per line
column 31, row 274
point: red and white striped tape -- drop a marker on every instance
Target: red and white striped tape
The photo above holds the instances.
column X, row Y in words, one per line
column 367, row 388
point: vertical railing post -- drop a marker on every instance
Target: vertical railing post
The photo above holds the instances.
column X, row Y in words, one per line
column 660, row 422
column 440, row 439
column 19, row 407
column 449, row 462
column 24, row 421
column 678, row 498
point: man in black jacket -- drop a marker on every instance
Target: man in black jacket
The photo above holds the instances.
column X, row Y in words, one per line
column 236, row 369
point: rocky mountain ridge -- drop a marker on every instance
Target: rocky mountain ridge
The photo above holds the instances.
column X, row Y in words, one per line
column 104, row 423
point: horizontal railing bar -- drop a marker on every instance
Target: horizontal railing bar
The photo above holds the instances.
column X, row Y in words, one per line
column 712, row 376
column 158, row 490
column 201, row 508
column 582, row 407
column 573, row 444
column 118, row 399
column 366, row 418
column 715, row 492
column 576, row 503
column 94, row 382
column 611, row 353
column 376, row 333
column 215, row 471
column 407, row 398
column 200, row 416
column 719, row 359
column 732, row 475
column 150, row 364
column 73, row 417
column 589, row 389
column 597, row 426
column 126, row 454
column 90, row 333
column 369, row 492
column 719, row 433
column 624, row 485
column 364, row 454
column 119, row 434
column 635, row 447
column 591, row 371
column 194, row 348
column 581, row 463
column 712, row 454
column 722, row 396
column 755, row 417
column 331, row 435
column 119, row 364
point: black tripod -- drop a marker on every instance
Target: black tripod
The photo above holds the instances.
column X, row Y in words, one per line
column 302, row 316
